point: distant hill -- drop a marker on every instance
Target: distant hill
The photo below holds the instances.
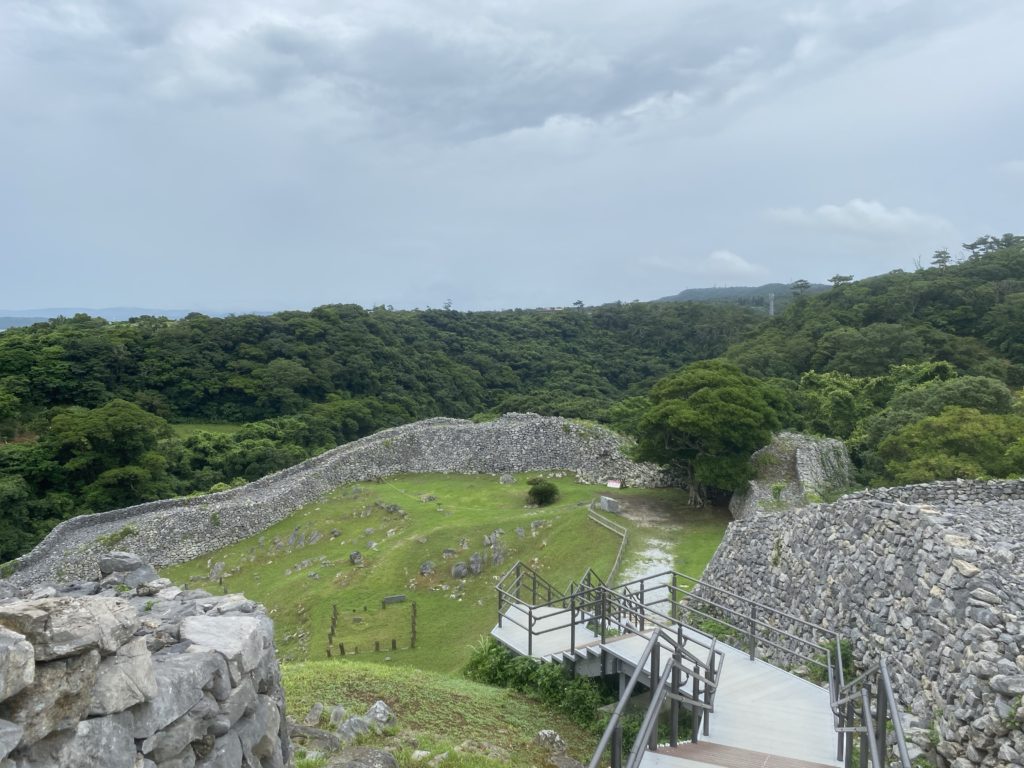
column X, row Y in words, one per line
column 755, row 297
column 10, row 318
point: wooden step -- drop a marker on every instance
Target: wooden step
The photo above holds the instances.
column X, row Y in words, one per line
column 709, row 753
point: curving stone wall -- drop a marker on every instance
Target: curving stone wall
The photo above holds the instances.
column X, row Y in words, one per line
column 793, row 470
column 930, row 575
column 129, row 672
column 176, row 530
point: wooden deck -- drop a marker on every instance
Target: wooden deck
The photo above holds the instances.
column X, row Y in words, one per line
column 760, row 710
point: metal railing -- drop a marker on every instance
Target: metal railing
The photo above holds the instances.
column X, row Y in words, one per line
column 667, row 602
column 615, row 528
column 667, row 683
column 867, row 706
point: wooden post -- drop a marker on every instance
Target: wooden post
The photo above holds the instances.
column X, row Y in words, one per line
column 341, row 648
column 328, row 651
column 376, row 646
column 394, row 644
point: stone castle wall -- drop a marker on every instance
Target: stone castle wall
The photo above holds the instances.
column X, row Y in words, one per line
column 175, row 530
column 126, row 671
column 930, row 575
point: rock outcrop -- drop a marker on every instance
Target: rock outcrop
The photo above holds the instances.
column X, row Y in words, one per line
column 176, row 530
column 932, row 576
column 127, row 671
column 792, row 471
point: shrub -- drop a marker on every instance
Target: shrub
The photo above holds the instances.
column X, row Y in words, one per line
column 542, row 492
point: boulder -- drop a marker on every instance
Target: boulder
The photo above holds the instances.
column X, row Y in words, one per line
column 120, row 562
column 180, row 680
column 57, row 699
column 239, row 639
column 59, row 627
column 17, row 663
column 362, row 757
column 124, row 679
column 380, row 714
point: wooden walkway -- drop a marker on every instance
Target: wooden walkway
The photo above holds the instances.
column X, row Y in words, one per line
column 762, row 713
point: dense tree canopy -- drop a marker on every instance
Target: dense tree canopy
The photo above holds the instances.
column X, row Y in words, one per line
column 918, row 371
column 706, row 420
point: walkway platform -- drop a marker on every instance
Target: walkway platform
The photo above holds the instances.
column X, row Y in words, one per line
column 764, row 716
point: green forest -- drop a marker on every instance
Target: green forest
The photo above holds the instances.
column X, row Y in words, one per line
column 919, row 372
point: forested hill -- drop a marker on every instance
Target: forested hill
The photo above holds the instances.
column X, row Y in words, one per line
column 918, row 371
column 85, row 403
column 969, row 313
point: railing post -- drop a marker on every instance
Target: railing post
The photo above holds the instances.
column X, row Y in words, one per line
column 529, row 633
column 499, row 606
column 708, row 693
column 674, row 597
column 519, row 580
column 643, row 609
column 753, row 631
column 881, row 712
column 864, row 749
column 604, row 615
column 572, row 624
column 848, row 760
column 549, row 593
column 534, row 601
column 617, row 746
column 673, row 707
column 696, row 711
column 652, row 740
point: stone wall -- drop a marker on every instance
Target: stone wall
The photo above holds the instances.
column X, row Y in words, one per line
column 793, row 470
column 176, row 530
column 130, row 672
column 932, row 576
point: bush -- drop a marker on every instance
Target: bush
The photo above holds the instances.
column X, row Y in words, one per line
column 494, row 664
column 542, row 492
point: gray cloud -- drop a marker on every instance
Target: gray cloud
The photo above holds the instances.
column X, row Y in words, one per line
column 186, row 153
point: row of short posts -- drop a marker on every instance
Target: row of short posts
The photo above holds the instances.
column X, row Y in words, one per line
column 376, row 643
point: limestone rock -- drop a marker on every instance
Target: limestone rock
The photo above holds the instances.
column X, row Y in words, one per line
column 17, row 663
column 120, row 562
column 381, row 714
column 793, row 470
column 314, row 738
column 59, row 627
column 362, row 757
column 180, row 680
column 550, row 740
column 124, row 679
column 10, row 736
column 57, row 699
column 239, row 639
column 226, row 753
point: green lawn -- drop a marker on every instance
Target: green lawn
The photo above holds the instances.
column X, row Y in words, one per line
column 451, row 613
column 219, row 428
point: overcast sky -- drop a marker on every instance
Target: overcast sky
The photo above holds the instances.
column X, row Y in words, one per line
column 275, row 154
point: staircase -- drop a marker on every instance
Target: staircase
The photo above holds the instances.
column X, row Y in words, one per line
column 745, row 711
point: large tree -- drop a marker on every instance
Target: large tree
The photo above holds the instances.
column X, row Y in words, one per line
column 705, row 421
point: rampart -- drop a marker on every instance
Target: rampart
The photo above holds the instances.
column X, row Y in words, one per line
column 175, row 530
column 930, row 575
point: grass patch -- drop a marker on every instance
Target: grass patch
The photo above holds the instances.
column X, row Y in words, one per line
column 439, row 711
column 111, row 540
column 437, row 512
column 218, row 428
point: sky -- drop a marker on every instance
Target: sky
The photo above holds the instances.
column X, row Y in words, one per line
column 282, row 154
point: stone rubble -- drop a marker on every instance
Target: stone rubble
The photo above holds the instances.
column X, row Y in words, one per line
column 176, row 530
column 105, row 674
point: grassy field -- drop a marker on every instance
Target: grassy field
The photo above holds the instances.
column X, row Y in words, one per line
column 403, row 522
column 186, row 430
column 438, row 711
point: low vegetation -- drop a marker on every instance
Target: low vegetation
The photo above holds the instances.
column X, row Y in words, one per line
column 440, row 712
